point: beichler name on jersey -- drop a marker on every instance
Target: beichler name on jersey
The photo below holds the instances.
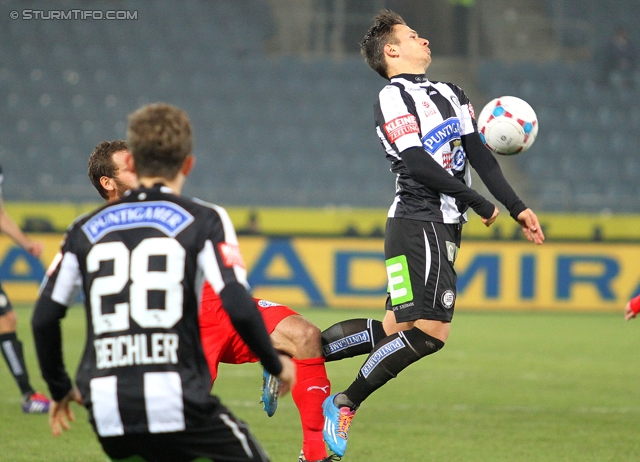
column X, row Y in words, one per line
column 447, row 131
column 165, row 216
column 134, row 350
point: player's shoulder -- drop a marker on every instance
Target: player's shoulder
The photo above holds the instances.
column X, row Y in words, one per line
column 392, row 88
column 209, row 207
column 449, row 87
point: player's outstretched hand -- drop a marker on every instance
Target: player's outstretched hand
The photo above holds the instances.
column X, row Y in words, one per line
column 59, row 412
column 288, row 375
column 489, row 221
column 628, row 312
column 34, row 248
column 531, row 227
column 632, row 309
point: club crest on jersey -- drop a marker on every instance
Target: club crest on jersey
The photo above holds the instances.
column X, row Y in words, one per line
column 445, row 132
column 459, row 155
column 400, row 126
column 164, row 216
column 231, row 255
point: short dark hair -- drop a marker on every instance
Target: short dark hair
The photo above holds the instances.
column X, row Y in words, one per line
column 101, row 163
column 159, row 138
column 378, row 35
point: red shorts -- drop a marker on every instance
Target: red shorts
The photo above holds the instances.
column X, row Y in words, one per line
column 220, row 341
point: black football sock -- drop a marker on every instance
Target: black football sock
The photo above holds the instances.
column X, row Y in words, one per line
column 12, row 351
column 389, row 357
column 351, row 338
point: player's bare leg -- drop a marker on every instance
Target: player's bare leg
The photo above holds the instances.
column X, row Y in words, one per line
column 11, row 346
column 300, row 339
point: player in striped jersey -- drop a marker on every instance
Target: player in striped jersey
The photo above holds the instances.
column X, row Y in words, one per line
column 32, row 401
column 429, row 134
column 141, row 262
column 289, row 332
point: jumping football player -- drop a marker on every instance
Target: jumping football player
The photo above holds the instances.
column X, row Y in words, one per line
column 429, row 136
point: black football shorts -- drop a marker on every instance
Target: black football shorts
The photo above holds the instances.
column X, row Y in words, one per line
column 419, row 258
column 225, row 437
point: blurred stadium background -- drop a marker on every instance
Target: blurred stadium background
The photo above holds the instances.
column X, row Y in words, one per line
column 281, row 100
column 281, row 106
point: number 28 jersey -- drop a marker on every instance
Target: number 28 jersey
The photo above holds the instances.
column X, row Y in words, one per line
column 141, row 263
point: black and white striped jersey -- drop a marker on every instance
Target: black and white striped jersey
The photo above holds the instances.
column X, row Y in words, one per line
column 141, row 263
column 414, row 112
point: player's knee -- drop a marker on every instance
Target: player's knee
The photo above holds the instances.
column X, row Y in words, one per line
column 8, row 322
column 308, row 341
column 423, row 343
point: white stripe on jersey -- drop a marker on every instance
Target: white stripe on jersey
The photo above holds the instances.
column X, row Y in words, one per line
column 106, row 413
column 392, row 210
column 68, row 282
column 393, row 106
column 164, row 402
column 466, row 123
column 230, row 237
column 208, row 265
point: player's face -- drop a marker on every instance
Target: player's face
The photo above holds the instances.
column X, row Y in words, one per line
column 124, row 179
column 412, row 49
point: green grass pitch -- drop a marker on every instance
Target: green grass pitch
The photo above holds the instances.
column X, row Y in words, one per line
column 506, row 387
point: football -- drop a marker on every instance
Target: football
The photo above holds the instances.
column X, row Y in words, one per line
column 508, row 125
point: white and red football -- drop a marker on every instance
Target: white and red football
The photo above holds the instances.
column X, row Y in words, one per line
column 508, row 125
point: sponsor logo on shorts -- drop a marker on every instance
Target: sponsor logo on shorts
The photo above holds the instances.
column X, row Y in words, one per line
column 400, row 126
column 379, row 355
column 399, row 281
column 403, row 306
column 448, row 298
column 346, row 342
